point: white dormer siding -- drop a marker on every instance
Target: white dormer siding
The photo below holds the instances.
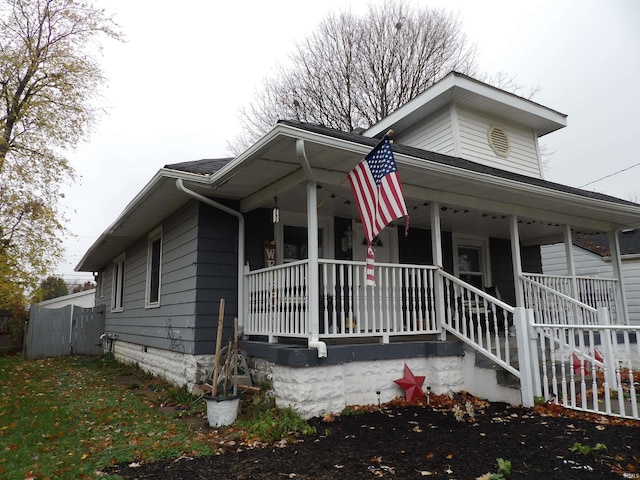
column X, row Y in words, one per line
column 456, row 115
column 463, row 132
column 435, row 134
column 474, row 143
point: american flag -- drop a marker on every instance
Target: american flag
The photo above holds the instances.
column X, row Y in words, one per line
column 376, row 187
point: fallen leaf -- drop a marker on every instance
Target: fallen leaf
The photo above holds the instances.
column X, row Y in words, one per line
column 449, row 457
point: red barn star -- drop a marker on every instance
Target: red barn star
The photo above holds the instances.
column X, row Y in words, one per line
column 411, row 384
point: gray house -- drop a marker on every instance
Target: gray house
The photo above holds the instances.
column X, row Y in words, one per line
column 480, row 210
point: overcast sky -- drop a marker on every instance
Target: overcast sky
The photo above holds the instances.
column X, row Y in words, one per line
column 176, row 85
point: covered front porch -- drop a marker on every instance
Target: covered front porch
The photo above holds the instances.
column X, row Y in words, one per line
column 469, row 272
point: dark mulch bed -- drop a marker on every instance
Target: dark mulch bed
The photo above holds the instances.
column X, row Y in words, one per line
column 405, row 442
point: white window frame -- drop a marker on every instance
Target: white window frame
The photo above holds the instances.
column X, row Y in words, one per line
column 474, row 241
column 100, row 283
column 155, row 235
column 117, row 284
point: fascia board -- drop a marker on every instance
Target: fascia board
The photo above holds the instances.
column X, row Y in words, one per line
column 453, row 81
column 246, row 158
column 147, row 190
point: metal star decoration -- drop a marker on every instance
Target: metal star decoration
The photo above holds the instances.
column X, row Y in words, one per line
column 411, row 384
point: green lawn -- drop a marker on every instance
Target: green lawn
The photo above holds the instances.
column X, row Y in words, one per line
column 66, row 419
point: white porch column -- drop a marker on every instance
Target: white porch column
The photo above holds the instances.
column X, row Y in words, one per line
column 616, row 263
column 436, row 253
column 571, row 266
column 313, row 275
column 571, row 269
column 516, row 260
column 313, row 288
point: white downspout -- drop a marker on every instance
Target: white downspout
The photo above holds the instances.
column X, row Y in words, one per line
column 241, row 240
column 312, row 249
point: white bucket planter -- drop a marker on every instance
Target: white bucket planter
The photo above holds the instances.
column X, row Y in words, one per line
column 222, row 410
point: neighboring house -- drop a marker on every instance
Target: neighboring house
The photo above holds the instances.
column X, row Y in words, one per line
column 591, row 256
column 84, row 299
column 468, row 157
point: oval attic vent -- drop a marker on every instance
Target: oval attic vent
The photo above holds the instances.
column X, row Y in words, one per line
column 498, row 141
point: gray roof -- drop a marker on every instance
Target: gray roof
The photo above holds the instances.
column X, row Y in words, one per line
column 206, row 166
column 210, row 166
column 629, row 243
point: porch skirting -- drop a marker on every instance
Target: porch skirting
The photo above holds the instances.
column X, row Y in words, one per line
column 352, row 374
column 176, row 368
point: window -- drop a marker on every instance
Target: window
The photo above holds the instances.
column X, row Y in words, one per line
column 291, row 237
column 295, row 243
column 154, row 261
column 470, row 265
column 117, row 289
column 472, row 261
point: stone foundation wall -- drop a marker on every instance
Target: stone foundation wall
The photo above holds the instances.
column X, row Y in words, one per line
column 314, row 391
column 176, row 368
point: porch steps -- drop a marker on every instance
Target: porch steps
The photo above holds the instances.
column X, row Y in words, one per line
column 486, row 379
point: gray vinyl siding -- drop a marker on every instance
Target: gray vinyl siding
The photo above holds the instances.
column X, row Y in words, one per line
column 436, row 134
column 589, row 264
column 474, row 144
column 170, row 326
column 217, row 276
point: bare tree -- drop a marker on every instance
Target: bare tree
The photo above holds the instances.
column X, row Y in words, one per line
column 353, row 71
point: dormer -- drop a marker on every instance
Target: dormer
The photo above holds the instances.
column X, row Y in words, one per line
column 465, row 118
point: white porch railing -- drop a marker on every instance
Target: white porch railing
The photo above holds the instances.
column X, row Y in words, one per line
column 593, row 368
column 541, row 290
column 553, row 307
column 401, row 303
column 480, row 320
column 277, row 301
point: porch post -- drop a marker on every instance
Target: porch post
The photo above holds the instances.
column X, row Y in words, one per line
column 527, row 369
column 571, row 265
column 313, row 290
column 516, row 260
column 571, row 269
column 616, row 263
column 313, row 275
column 436, row 253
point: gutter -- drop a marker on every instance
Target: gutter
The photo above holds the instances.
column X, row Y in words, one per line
column 241, row 239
